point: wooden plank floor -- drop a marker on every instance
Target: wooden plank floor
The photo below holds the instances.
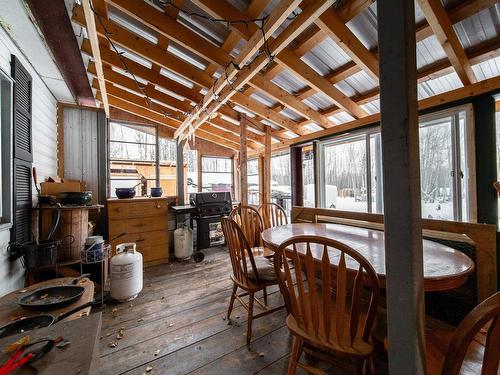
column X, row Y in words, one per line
column 177, row 325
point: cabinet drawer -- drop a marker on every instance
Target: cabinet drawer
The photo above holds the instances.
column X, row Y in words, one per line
column 143, row 238
column 144, row 208
column 139, row 225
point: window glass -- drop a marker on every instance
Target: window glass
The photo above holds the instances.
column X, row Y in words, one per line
column 191, row 169
column 253, row 181
column 132, row 157
column 345, row 175
column 281, row 181
column 376, row 179
column 167, row 149
column 308, row 176
column 217, row 174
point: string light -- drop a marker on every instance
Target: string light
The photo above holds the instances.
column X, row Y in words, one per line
column 228, row 22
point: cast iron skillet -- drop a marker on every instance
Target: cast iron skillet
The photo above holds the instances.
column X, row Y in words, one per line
column 37, row 321
column 53, row 297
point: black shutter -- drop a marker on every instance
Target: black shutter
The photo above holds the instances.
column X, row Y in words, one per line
column 23, row 153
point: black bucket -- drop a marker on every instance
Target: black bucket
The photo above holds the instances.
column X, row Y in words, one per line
column 42, row 255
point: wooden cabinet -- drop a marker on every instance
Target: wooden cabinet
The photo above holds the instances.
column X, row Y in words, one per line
column 145, row 222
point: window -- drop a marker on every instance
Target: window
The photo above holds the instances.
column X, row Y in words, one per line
column 351, row 168
column 191, row 169
column 253, row 181
column 217, row 174
column 136, row 153
column 281, row 181
column 308, row 176
column 5, row 149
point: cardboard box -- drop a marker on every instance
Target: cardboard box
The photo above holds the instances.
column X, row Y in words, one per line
column 54, row 188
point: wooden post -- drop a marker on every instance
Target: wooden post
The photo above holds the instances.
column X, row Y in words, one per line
column 267, row 167
column 401, row 171
column 243, row 160
column 296, row 176
column 180, row 172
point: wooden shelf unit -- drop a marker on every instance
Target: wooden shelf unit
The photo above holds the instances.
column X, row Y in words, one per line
column 145, row 222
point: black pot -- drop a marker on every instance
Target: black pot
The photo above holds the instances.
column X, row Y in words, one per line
column 156, row 192
column 78, row 198
column 124, row 193
column 42, row 255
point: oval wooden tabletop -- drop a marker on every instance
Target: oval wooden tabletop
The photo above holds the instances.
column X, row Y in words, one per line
column 444, row 268
column 10, row 310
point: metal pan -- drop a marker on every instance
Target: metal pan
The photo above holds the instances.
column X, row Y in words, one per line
column 53, row 297
column 37, row 321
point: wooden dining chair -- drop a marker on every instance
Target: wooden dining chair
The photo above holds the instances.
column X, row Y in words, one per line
column 332, row 296
column 474, row 347
column 272, row 215
column 252, row 225
column 252, row 274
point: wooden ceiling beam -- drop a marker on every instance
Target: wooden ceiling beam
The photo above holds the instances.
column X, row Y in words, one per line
column 334, row 27
column 88, row 21
column 443, row 29
column 111, row 58
column 261, row 83
column 266, row 112
column 258, row 38
column 299, row 24
column 129, row 83
column 148, row 50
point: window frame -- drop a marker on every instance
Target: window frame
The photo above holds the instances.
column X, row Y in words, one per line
column 258, row 179
column 469, row 149
column 6, row 152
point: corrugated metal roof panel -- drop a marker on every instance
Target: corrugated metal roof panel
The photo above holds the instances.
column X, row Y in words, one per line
column 372, row 107
column 364, row 26
column 291, row 114
column 487, row 69
column 186, row 55
column 313, row 127
column 132, row 56
column 318, row 101
column 288, row 81
column 325, row 57
column 429, row 51
column 480, row 27
column 132, row 25
column 213, row 31
column 438, row 85
column 341, row 117
column 356, row 84
column 264, row 99
column 169, row 74
column 244, row 110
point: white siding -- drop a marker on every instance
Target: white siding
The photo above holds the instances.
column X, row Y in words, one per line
column 44, row 150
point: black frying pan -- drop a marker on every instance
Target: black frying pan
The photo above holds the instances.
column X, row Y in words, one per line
column 53, row 297
column 37, row 321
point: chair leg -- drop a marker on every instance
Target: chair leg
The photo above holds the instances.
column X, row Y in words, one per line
column 264, row 292
column 231, row 301
column 250, row 318
column 294, row 358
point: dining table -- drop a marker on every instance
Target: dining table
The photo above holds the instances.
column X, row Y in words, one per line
column 445, row 268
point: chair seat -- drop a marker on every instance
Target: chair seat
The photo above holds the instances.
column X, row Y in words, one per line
column 437, row 342
column 262, row 251
column 265, row 269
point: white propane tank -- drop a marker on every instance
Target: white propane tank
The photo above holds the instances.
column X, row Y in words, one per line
column 126, row 272
column 183, row 242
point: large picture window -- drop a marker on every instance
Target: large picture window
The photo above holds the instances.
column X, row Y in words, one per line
column 217, row 174
column 137, row 154
column 351, row 168
column 281, row 183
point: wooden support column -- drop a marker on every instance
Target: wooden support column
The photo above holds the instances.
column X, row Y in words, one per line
column 180, row 172
column 267, row 167
column 243, row 160
column 296, row 176
column 401, row 171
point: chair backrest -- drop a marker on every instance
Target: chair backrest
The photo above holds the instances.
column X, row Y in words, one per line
column 330, row 281
column 241, row 256
column 485, row 316
column 272, row 215
column 250, row 222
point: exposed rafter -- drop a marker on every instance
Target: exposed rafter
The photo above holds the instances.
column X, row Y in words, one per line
column 443, row 29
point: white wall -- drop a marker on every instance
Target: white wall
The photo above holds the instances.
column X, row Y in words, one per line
column 44, row 150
